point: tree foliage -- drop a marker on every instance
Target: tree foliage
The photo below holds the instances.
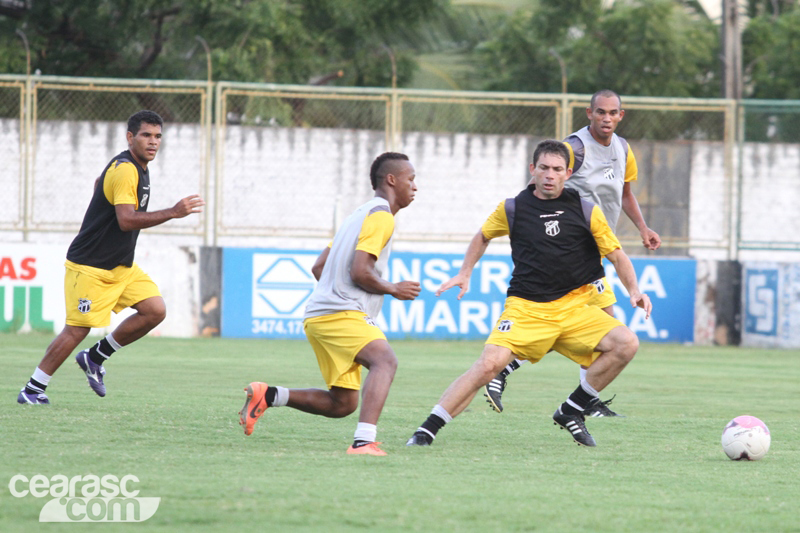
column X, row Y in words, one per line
column 641, row 47
column 283, row 41
column 654, row 48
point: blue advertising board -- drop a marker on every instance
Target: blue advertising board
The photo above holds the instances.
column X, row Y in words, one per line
column 761, row 301
column 265, row 291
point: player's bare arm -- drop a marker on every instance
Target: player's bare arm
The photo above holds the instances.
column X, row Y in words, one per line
column 630, row 205
column 319, row 264
column 130, row 219
column 475, row 251
column 626, row 274
column 363, row 274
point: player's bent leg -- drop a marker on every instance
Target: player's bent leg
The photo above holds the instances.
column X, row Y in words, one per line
column 380, row 361
column 337, row 402
column 149, row 314
column 461, row 392
column 617, row 348
column 599, row 408
column 494, row 389
column 61, row 347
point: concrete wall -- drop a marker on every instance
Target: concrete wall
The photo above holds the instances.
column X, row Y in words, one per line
column 299, row 183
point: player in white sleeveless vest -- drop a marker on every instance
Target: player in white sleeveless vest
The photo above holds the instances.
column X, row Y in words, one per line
column 336, row 290
column 603, row 168
column 340, row 314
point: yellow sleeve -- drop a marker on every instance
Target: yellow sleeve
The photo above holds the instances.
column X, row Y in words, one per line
column 631, row 168
column 497, row 223
column 606, row 241
column 376, row 230
column 120, row 184
column 572, row 154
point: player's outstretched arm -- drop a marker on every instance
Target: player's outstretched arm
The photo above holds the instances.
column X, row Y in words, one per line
column 130, row 219
column 475, row 251
column 363, row 274
column 630, row 205
column 626, row 274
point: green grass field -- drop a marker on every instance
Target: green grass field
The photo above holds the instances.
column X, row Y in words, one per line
column 170, row 418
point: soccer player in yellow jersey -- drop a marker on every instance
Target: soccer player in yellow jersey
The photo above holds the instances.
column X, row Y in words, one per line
column 340, row 314
column 603, row 169
column 557, row 239
column 101, row 276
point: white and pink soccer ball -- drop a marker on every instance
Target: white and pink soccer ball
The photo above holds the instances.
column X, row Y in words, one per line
column 746, row 437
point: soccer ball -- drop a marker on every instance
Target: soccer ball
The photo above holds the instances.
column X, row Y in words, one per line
column 746, row 437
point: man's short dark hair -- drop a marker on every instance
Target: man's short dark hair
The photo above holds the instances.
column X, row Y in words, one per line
column 551, row 146
column 605, row 93
column 384, row 165
column 148, row 117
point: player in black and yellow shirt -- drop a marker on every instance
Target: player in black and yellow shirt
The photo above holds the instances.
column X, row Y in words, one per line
column 101, row 276
column 557, row 239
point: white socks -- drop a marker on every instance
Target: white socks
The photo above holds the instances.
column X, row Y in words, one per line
column 366, row 432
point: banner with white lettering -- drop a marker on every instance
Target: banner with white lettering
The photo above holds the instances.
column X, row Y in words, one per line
column 31, row 288
column 265, row 292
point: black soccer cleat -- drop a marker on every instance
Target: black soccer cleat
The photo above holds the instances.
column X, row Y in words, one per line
column 494, row 391
column 419, row 438
column 574, row 424
column 598, row 408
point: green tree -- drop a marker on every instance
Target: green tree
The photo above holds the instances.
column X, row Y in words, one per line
column 653, row 48
column 771, row 71
column 281, row 41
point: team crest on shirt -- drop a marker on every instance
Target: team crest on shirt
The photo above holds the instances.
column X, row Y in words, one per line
column 599, row 285
column 84, row 305
column 369, row 321
column 551, row 228
column 504, row 325
column 609, row 174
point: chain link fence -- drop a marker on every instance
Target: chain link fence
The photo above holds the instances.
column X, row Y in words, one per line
column 292, row 161
column 77, row 125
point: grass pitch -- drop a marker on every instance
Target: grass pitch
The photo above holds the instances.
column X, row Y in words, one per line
column 170, row 418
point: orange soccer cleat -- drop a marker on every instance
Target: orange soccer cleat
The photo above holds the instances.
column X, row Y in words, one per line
column 367, row 449
column 254, row 406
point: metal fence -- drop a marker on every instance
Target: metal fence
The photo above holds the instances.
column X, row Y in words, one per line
column 291, row 161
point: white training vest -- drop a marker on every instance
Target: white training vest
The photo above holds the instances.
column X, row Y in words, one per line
column 336, row 290
column 600, row 174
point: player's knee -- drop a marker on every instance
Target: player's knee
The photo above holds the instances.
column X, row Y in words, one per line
column 390, row 363
column 629, row 344
column 488, row 368
column 345, row 407
column 156, row 313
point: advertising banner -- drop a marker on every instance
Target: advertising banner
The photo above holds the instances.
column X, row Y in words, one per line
column 265, row 291
column 771, row 309
column 31, row 288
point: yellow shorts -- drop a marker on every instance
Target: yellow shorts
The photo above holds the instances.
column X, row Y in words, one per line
column 337, row 339
column 92, row 293
column 604, row 295
column 567, row 325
